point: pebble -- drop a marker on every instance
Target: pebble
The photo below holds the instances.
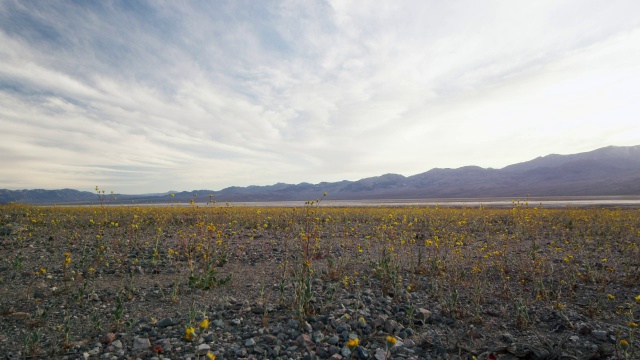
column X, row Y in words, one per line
column 203, row 347
column 600, row 335
column 141, row 344
column 237, row 331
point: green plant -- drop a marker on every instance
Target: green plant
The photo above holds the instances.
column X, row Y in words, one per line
column 521, row 314
column 207, row 278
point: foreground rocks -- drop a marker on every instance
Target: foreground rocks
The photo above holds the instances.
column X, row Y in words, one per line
column 244, row 330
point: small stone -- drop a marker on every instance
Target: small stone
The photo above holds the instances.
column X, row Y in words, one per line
column 307, row 327
column 584, row 330
column 409, row 343
column 305, row 341
column 317, row 337
column 361, row 353
column 600, row 335
column 343, row 327
column 345, row 352
column 20, row 315
column 157, row 348
column 218, row 323
column 108, row 338
column 241, row 352
column 507, row 338
column 250, row 342
column 423, row 314
column 334, row 340
column 380, row 354
column 293, row 324
column 165, row 343
column 94, row 351
column 335, row 357
column 390, row 326
column 203, row 348
column 141, row 344
column 163, row 323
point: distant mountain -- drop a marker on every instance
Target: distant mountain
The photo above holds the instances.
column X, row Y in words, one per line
column 40, row 196
column 611, row 171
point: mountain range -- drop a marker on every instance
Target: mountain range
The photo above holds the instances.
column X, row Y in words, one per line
column 608, row 171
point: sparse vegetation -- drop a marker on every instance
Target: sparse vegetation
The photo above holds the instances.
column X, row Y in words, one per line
column 525, row 270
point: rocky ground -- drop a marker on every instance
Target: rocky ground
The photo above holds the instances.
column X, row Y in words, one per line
column 142, row 310
column 242, row 326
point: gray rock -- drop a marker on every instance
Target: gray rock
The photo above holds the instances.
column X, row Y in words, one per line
column 423, row 314
column 165, row 343
column 334, row 340
column 293, row 324
column 361, row 353
column 305, row 341
column 203, row 348
column 345, row 352
column 507, row 338
column 218, row 323
column 409, row 343
column 317, row 337
column 600, row 335
column 390, row 326
column 141, row 344
column 163, row 323
column 250, row 342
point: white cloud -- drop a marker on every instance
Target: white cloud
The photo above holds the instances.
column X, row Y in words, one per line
column 186, row 96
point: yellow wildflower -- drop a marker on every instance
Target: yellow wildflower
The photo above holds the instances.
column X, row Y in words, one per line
column 210, row 355
column 611, row 297
column 353, row 343
column 633, row 325
column 624, row 343
column 638, row 299
column 190, row 333
column 391, row 341
column 204, row 323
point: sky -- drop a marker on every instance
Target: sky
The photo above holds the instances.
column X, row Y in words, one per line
column 155, row 96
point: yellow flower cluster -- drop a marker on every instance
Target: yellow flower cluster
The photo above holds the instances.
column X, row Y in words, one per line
column 67, row 259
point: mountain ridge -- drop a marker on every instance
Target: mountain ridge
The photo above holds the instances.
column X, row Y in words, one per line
column 608, row 171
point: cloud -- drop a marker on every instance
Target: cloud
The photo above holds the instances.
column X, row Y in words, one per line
column 149, row 96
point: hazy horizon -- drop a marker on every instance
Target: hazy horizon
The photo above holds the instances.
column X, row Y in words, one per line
column 147, row 97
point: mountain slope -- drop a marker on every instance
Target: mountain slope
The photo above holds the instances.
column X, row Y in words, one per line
column 607, row 171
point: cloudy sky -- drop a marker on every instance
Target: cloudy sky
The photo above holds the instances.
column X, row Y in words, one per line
column 141, row 97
